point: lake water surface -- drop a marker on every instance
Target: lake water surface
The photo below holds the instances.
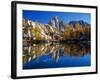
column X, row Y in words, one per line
column 56, row 55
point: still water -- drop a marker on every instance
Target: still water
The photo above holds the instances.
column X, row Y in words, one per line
column 56, row 55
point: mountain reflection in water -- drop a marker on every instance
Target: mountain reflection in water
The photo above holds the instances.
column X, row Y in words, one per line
column 54, row 55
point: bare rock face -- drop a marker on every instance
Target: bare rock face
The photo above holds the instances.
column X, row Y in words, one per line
column 57, row 22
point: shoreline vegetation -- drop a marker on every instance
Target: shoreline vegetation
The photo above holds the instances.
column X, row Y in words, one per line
column 61, row 41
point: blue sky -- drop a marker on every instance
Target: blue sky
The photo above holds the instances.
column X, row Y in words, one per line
column 45, row 16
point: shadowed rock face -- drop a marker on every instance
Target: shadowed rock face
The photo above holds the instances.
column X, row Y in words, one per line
column 81, row 22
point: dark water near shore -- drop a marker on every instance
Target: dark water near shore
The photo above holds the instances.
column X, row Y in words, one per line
column 56, row 55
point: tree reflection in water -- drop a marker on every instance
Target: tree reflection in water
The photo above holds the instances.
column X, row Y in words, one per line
column 54, row 50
